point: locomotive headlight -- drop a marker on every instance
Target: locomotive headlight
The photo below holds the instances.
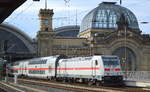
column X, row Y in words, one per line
column 107, row 73
column 118, row 73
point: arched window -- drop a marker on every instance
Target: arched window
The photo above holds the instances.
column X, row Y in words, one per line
column 127, row 57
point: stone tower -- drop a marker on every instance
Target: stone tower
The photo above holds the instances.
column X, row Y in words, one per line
column 45, row 35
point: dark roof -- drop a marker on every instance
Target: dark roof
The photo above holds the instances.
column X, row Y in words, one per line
column 7, row 7
column 67, row 31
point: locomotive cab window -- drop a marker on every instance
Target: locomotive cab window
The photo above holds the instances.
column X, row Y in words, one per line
column 110, row 60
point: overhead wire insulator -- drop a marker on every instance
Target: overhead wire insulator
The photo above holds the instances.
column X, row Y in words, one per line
column 120, row 2
column 67, row 2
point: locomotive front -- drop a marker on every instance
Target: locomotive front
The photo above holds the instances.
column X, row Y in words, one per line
column 112, row 70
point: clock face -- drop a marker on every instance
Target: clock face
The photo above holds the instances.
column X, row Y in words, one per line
column 46, row 22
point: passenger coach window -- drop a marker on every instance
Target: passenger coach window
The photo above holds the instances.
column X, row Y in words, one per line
column 15, row 63
column 96, row 62
column 38, row 62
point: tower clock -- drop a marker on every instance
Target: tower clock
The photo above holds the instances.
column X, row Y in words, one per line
column 46, row 22
column 45, row 16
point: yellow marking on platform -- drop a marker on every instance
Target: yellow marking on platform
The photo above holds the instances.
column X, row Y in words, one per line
column 147, row 89
column 138, row 84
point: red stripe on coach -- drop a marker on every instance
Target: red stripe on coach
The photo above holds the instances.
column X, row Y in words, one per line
column 80, row 68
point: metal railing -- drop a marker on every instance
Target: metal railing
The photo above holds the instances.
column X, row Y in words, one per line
column 143, row 76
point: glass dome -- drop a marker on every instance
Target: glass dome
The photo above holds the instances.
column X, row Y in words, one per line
column 106, row 16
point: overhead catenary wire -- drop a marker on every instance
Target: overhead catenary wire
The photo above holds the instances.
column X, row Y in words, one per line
column 21, row 12
column 75, row 19
column 67, row 3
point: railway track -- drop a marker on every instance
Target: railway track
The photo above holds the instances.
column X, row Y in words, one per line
column 2, row 90
column 82, row 87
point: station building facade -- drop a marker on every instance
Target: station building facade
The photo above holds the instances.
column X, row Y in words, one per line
column 108, row 29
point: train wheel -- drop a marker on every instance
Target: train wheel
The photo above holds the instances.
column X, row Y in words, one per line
column 90, row 83
column 64, row 80
column 54, row 79
column 50, row 78
column 73, row 80
column 70, row 80
column 98, row 83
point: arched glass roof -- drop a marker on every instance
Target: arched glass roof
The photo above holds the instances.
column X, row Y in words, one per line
column 106, row 16
column 14, row 44
column 14, row 40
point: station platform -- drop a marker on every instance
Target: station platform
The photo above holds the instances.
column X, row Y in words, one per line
column 137, row 84
column 137, row 78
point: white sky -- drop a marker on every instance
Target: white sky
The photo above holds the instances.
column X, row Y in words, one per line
column 26, row 16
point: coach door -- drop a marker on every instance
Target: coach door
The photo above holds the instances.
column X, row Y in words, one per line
column 25, row 70
column 94, row 64
column 20, row 69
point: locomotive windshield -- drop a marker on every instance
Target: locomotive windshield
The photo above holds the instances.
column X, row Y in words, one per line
column 110, row 60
